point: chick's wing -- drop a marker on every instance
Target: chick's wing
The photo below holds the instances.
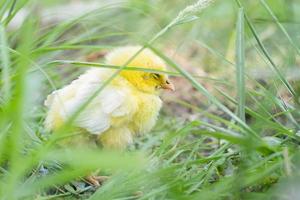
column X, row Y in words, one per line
column 111, row 102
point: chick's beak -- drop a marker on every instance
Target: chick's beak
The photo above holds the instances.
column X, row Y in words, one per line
column 168, row 86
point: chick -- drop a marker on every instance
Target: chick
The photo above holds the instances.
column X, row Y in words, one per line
column 127, row 107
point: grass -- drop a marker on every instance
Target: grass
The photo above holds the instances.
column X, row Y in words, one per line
column 240, row 65
column 238, row 140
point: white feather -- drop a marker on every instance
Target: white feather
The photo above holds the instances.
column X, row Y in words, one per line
column 96, row 117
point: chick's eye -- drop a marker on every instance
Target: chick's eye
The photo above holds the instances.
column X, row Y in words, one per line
column 156, row 76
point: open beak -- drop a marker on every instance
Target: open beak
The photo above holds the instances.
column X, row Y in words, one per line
column 168, row 86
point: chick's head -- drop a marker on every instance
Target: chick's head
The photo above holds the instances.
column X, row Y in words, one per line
column 144, row 81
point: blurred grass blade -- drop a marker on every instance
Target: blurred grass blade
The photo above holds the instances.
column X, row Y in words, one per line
column 17, row 108
column 12, row 7
column 16, row 6
column 240, row 64
column 81, row 64
column 81, row 162
column 266, row 91
column 215, row 53
column 186, row 15
column 270, row 120
column 5, row 63
column 3, row 7
column 210, row 115
column 57, row 31
column 204, row 91
column 267, row 55
column 281, row 27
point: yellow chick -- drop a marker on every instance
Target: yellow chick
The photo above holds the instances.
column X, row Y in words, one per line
column 128, row 106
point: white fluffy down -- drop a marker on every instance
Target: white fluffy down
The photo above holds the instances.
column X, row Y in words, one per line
column 96, row 117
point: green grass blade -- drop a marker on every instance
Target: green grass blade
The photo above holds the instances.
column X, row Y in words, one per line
column 267, row 55
column 281, row 27
column 5, row 62
column 16, row 6
column 11, row 10
column 270, row 120
column 129, row 68
column 215, row 53
column 3, row 8
column 17, row 108
column 240, row 65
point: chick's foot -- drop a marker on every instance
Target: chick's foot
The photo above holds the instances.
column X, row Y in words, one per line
column 96, row 180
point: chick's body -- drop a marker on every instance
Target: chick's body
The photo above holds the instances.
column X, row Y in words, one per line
column 128, row 106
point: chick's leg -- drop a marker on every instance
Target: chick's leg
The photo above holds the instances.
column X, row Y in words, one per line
column 114, row 139
column 96, row 180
